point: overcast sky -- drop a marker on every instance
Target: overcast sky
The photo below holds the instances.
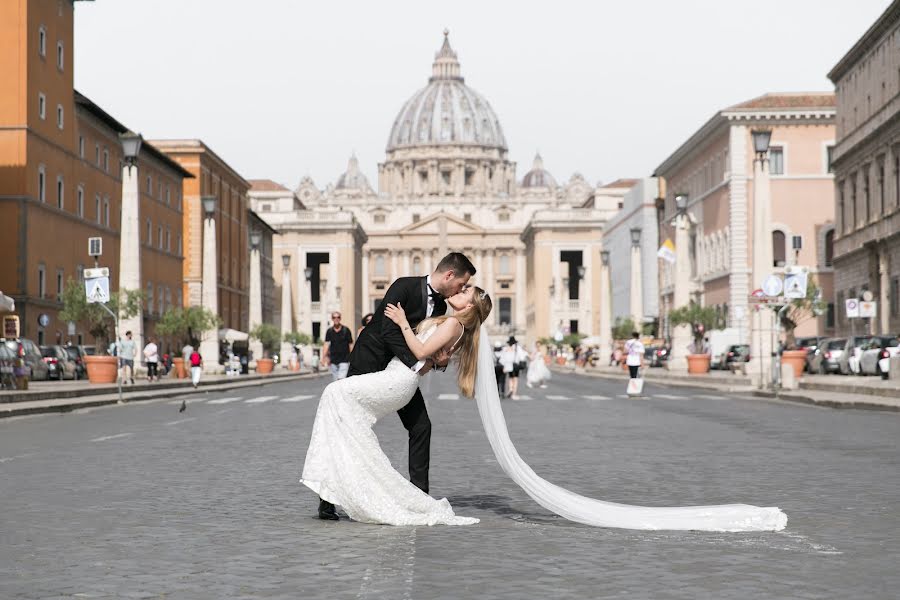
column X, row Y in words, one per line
column 281, row 89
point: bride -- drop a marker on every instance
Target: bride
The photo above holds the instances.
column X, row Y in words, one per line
column 346, row 466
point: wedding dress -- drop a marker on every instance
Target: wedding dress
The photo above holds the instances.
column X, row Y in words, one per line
column 346, row 466
column 727, row 517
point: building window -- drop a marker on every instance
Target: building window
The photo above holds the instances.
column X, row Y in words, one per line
column 895, row 297
column 149, row 232
column 97, row 154
column 778, row 248
column 503, row 217
column 149, row 185
column 42, row 281
column 417, row 266
column 97, row 208
column 504, row 315
column 59, row 116
column 379, row 218
column 829, row 157
column 379, row 265
column 60, row 192
column 168, row 239
column 42, row 41
column 106, row 160
column 159, row 236
column 59, row 285
column 416, row 217
column 168, row 196
column 829, row 248
column 573, row 326
column 504, row 264
column 106, row 211
column 776, row 160
column 467, row 217
column 42, row 184
column 150, row 297
column 266, row 207
column 81, row 146
column 79, row 201
column 79, row 272
column 42, row 105
column 60, row 56
column 179, row 244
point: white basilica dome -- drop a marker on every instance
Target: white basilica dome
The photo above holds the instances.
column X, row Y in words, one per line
column 446, row 111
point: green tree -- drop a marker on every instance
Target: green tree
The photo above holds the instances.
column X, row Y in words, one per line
column 269, row 335
column 297, row 339
column 800, row 310
column 573, row 339
column 700, row 319
column 187, row 325
column 125, row 303
column 623, row 328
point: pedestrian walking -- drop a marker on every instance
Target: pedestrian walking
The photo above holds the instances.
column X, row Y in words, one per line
column 499, row 374
column 538, row 373
column 127, row 351
column 338, row 346
column 151, row 355
column 634, row 350
column 516, row 355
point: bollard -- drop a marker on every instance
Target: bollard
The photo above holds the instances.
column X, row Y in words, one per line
column 894, row 368
column 788, row 379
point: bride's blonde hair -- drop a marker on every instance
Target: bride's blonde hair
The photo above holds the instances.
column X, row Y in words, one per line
column 467, row 349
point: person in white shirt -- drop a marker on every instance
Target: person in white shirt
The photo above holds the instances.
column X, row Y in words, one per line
column 635, row 354
column 151, row 355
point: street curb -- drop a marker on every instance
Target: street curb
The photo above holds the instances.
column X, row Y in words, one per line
column 17, row 409
column 710, row 385
column 862, row 390
column 826, row 403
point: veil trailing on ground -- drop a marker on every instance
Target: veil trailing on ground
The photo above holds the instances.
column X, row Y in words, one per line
column 581, row 509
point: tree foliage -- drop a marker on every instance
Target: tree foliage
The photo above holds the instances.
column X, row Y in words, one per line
column 187, row 325
column 623, row 328
column 802, row 309
column 76, row 308
column 297, row 339
column 700, row 319
column 269, row 335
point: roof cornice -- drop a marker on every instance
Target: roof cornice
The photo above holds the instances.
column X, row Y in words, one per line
column 887, row 19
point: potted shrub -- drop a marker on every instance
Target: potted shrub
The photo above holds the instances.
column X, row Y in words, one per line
column 798, row 311
column 700, row 319
column 186, row 325
column 269, row 336
column 125, row 303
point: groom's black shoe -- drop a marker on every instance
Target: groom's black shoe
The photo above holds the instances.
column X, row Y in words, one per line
column 327, row 511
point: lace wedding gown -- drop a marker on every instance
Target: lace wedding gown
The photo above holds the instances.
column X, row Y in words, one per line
column 346, row 466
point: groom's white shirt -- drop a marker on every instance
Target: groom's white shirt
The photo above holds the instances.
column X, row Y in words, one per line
column 429, row 310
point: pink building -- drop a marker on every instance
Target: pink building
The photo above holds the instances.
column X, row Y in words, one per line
column 714, row 167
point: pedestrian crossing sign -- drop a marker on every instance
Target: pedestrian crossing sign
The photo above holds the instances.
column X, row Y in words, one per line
column 795, row 285
column 97, row 289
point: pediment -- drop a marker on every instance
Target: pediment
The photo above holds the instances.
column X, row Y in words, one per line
column 432, row 225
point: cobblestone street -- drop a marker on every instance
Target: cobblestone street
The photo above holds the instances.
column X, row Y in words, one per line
column 139, row 501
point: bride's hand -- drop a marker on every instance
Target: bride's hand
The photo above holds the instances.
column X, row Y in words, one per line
column 396, row 314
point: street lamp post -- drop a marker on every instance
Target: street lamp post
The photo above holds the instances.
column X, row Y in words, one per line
column 255, row 291
column 605, row 310
column 763, row 321
column 637, row 284
column 681, row 335
column 286, row 308
column 130, row 237
column 209, row 345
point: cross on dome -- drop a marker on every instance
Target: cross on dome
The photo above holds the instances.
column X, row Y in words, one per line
column 445, row 65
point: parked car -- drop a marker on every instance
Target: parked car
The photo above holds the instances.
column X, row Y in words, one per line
column 734, row 355
column 827, row 356
column 656, row 356
column 849, row 360
column 7, row 367
column 34, row 361
column 58, row 361
column 810, row 344
column 76, row 355
column 879, row 347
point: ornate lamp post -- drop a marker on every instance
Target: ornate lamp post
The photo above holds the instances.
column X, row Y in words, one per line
column 605, row 310
column 130, row 235
column 763, row 320
column 255, row 291
column 681, row 335
column 637, row 283
column 209, row 345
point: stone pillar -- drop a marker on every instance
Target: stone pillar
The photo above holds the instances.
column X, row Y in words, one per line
column 520, row 275
column 884, row 286
column 586, row 296
column 636, row 294
column 605, row 320
column 681, row 335
column 287, row 310
column 394, row 268
column 763, row 320
column 334, row 284
column 255, row 299
column 209, row 345
column 556, row 285
column 429, row 262
column 304, row 297
column 366, row 301
column 459, row 177
column 130, row 256
column 405, row 256
column 489, row 280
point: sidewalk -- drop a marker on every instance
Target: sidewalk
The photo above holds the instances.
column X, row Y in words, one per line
column 834, row 391
column 53, row 396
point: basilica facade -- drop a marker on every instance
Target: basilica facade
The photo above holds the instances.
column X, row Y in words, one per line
column 446, row 184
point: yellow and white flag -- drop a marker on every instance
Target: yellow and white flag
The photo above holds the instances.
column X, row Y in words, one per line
column 667, row 251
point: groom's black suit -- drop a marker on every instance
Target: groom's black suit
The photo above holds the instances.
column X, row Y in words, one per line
column 381, row 341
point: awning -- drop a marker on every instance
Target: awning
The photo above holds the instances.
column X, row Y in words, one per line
column 7, row 304
column 232, row 335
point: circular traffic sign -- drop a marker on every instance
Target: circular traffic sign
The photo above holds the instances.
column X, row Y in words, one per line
column 43, row 319
column 867, row 296
column 773, row 285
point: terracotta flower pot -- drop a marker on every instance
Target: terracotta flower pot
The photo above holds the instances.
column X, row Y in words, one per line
column 698, row 364
column 560, row 360
column 102, row 369
column 264, row 365
column 178, row 368
column 797, row 360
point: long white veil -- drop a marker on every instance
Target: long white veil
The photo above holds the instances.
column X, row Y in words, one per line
column 581, row 509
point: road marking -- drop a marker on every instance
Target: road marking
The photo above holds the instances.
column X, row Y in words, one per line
column 260, row 399
column 596, row 397
column 668, row 397
column 224, row 400
column 295, row 398
column 448, row 397
column 9, row 458
column 111, row 437
column 523, row 398
column 709, row 397
column 181, row 421
column 558, row 398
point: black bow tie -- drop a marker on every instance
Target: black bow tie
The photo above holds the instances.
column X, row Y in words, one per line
column 434, row 294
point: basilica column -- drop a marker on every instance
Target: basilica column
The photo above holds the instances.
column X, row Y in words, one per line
column 335, row 283
column 489, row 272
column 405, row 255
column 459, row 177
column 286, row 309
column 521, row 301
column 394, row 268
column 366, row 301
column 586, row 295
column 304, row 297
column 429, row 262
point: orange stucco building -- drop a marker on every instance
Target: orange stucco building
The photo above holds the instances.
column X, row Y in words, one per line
column 60, row 179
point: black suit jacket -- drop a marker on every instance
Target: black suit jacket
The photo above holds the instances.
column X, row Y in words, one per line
column 382, row 339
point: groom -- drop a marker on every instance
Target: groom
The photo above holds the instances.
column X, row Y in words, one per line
column 382, row 340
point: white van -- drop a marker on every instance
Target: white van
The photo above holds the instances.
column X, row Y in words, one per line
column 719, row 342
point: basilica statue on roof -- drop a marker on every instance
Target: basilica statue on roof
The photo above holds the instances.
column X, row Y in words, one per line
column 446, row 184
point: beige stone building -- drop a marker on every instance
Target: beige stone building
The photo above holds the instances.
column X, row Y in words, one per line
column 446, row 184
column 714, row 168
column 866, row 164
